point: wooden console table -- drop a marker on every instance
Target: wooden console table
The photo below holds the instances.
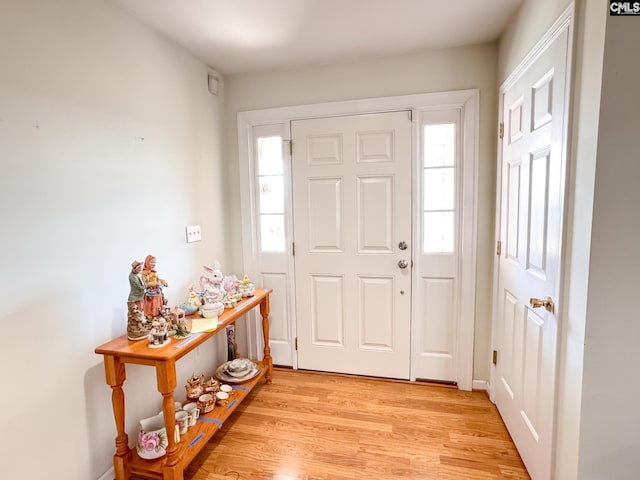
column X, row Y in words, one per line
column 120, row 351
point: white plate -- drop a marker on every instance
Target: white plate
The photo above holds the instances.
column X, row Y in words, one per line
column 238, row 373
column 222, row 375
column 239, row 364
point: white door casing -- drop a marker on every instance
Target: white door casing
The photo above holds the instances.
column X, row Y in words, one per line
column 530, row 209
column 352, row 208
column 466, row 103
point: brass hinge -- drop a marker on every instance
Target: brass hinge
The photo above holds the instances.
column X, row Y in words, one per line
column 293, row 248
column 290, row 143
column 499, row 248
column 296, row 343
column 495, row 357
column 501, row 130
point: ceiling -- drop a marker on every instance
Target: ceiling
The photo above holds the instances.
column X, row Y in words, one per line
column 242, row 36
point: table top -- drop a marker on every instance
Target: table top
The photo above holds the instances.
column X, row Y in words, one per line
column 138, row 351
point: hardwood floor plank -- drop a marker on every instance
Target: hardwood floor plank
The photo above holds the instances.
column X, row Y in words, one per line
column 318, row 426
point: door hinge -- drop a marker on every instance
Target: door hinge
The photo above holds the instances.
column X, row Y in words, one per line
column 293, row 248
column 501, row 130
column 296, row 343
column 499, row 248
column 494, row 359
column 290, row 144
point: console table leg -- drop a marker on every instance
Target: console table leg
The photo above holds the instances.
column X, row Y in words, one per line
column 166, row 379
column 116, row 375
column 268, row 361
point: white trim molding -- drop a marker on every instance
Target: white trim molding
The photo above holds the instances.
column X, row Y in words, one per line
column 108, row 475
column 481, row 385
column 464, row 101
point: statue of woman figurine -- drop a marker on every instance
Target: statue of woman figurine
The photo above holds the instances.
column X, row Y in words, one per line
column 153, row 296
column 137, row 326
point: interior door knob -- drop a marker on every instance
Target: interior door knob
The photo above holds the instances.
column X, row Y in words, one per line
column 403, row 264
column 546, row 302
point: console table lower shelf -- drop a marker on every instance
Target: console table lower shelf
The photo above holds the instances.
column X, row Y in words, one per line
column 197, row 436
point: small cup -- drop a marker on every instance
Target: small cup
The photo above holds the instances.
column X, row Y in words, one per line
column 222, row 398
column 182, row 421
column 193, row 411
column 226, row 389
column 206, row 403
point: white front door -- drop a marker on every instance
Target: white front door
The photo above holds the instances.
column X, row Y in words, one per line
column 531, row 207
column 352, row 210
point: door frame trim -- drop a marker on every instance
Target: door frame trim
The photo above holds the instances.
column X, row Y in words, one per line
column 468, row 102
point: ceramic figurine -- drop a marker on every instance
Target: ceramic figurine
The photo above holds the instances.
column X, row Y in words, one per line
column 246, row 288
column 183, row 328
column 159, row 333
column 212, row 291
column 172, row 316
column 153, row 296
column 211, row 386
column 194, row 302
column 232, row 295
column 194, row 387
column 137, row 325
column 231, row 343
column 230, row 284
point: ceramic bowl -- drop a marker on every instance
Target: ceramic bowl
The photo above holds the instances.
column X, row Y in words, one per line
column 188, row 308
column 208, row 310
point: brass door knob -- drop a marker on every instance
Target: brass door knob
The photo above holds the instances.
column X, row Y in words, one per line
column 546, row 302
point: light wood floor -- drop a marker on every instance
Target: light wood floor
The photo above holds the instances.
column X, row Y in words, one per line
column 316, row 426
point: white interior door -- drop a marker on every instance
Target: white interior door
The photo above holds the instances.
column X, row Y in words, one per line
column 531, row 207
column 352, row 209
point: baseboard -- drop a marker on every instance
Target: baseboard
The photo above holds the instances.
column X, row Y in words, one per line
column 108, row 475
column 481, row 385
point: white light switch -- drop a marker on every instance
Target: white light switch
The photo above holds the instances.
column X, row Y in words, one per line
column 193, row 233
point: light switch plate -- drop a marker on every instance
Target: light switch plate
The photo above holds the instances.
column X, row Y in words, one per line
column 193, row 233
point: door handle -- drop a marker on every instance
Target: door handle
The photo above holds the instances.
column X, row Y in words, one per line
column 546, row 302
column 403, row 264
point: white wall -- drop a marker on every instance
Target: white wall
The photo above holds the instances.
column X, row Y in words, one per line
column 109, row 145
column 527, row 26
column 610, row 422
column 431, row 71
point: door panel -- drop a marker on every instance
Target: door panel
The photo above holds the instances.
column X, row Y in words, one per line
column 374, row 210
column 327, row 319
column 325, row 207
column 352, row 207
column 376, row 312
column 279, row 333
column 532, row 189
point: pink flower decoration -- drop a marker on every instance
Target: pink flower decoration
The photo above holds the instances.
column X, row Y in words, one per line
column 149, row 441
